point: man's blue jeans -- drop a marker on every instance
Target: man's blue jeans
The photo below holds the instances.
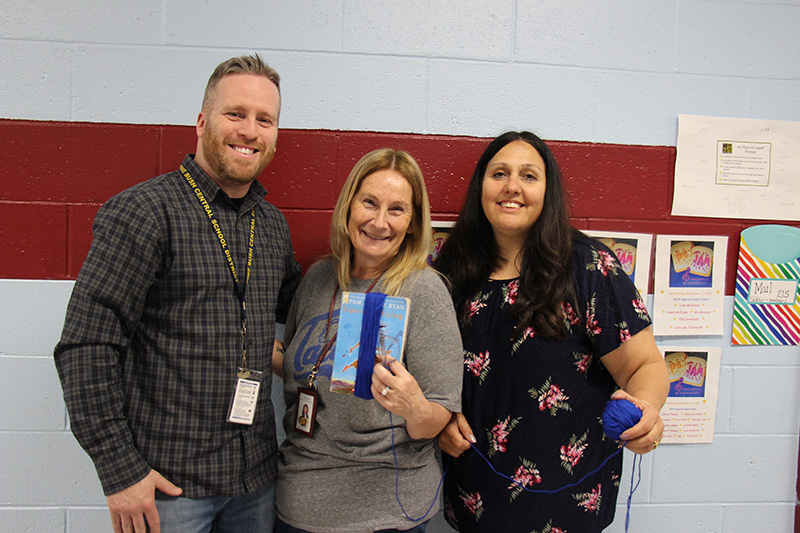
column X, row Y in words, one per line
column 247, row 513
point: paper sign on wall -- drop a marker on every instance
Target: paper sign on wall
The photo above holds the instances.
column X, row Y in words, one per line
column 691, row 405
column 741, row 168
column 689, row 285
column 766, row 309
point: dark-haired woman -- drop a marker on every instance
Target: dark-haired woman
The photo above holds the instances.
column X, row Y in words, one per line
column 552, row 329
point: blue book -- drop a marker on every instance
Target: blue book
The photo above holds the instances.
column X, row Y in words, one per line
column 391, row 337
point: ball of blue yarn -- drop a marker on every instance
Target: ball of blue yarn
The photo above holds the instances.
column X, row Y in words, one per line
column 618, row 416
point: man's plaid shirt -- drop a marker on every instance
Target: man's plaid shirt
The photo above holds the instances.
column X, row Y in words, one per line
column 152, row 337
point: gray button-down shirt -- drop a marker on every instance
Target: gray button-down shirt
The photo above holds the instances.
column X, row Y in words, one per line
column 152, row 338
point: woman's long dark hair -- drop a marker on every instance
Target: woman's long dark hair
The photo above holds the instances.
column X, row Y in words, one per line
column 470, row 254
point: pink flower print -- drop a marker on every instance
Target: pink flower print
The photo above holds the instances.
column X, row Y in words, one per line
column 604, row 262
column 527, row 334
column 511, row 292
column 570, row 314
column 624, row 332
column 591, row 324
column 478, row 364
column 582, row 361
column 572, row 453
column 473, row 503
column 475, row 306
column 549, row 528
column 498, row 435
column 551, row 398
column 640, row 308
column 590, row 501
column 524, row 476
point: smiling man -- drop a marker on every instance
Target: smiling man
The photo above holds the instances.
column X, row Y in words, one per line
column 165, row 376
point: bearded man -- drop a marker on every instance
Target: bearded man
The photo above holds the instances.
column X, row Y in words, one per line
column 165, row 357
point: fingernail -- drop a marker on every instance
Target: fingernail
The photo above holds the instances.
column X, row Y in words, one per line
column 472, row 439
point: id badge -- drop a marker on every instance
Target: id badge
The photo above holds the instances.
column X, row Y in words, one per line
column 306, row 412
column 242, row 409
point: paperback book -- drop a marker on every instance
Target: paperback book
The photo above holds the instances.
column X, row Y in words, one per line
column 391, row 337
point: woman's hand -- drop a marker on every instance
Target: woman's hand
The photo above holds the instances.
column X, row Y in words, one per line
column 397, row 391
column 456, row 436
column 648, row 432
column 639, row 369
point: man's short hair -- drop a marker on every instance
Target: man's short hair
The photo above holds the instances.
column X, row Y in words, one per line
column 252, row 64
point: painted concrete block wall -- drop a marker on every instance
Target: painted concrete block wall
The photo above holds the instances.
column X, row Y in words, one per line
column 742, row 482
column 616, row 73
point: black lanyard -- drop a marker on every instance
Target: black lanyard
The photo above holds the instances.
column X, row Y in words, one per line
column 241, row 291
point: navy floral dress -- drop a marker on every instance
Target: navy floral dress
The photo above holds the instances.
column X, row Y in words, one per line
column 535, row 407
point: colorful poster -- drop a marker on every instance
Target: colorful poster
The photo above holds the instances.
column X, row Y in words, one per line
column 689, row 293
column 691, row 405
column 634, row 251
column 766, row 307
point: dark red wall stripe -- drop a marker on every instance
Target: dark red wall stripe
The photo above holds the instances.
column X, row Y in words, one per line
column 55, row 176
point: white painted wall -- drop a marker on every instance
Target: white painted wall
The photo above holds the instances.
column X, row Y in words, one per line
column 616, row 71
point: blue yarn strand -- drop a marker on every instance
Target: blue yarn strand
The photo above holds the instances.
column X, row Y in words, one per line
column 636, row 468
column 370, row 326
column 397, row 482
column 618, row 416
column 542, row 491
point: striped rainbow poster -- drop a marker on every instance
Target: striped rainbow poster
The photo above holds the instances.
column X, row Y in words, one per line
column 766, row 308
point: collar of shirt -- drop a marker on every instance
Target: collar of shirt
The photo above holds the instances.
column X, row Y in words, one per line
column 212, row 190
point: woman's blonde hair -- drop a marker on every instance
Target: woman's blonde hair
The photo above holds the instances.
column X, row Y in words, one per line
column 413, row 253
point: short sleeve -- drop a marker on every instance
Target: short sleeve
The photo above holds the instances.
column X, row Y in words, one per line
column 613, row 308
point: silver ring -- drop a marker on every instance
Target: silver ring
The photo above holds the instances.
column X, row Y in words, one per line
column 385, row 390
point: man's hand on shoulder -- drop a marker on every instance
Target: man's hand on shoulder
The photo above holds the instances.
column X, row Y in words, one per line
column 134, row 509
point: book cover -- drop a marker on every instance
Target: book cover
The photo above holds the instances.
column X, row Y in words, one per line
column 391, row 337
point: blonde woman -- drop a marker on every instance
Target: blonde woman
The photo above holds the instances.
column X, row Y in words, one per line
column 369, row 465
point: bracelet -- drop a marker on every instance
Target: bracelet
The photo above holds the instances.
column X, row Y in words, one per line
column 646, row 403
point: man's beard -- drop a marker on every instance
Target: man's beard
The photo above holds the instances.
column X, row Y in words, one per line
column 229, row 168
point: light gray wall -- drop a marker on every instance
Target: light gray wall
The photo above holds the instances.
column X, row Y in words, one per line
column 617, row 72
column 744, row 481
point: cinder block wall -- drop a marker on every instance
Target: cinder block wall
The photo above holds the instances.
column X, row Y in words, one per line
column 98, row 96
